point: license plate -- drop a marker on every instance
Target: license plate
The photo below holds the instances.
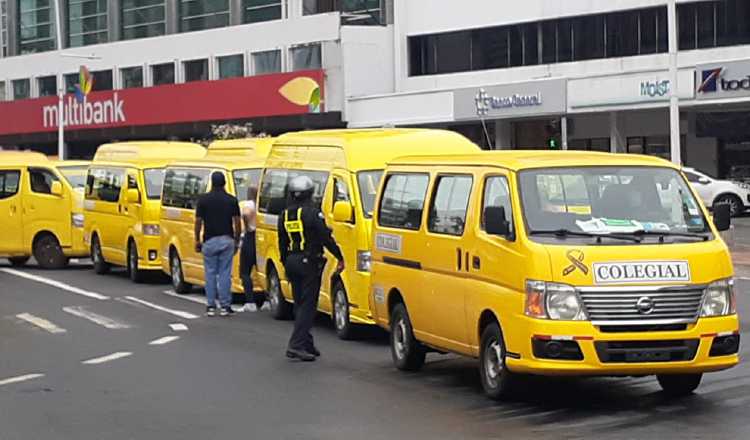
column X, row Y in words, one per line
column 647, row 356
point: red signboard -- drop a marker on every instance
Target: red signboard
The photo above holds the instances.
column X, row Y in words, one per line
column 235, row 98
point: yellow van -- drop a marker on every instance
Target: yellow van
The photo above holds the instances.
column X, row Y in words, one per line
column 346, row 166
column 241, row 161
column 122, row 203
column 40, row 209
column 553, row 263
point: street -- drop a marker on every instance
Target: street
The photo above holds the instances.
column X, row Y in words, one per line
column 90, row 357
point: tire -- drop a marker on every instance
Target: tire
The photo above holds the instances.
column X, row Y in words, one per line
column 340, row 312
column 18, row 261
column 407, row 353
column 177, row 275
column 736, row 207
column 678, row 385
column 134, row 273
column 495, row 378
column 48, row 253
column 101, row 267
column 280, row 308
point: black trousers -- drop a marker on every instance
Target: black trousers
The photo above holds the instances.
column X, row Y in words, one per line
column 248, row 260
column 305, row 276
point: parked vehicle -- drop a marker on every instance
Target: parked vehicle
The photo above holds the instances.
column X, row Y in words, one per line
column 739, row 173
column 40, row 209
column 553, row 263
column 123, row 200
column 715, row 192
column 346, row 166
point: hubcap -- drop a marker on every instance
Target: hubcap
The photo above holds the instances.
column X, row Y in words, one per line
column 176, row 271
column 341, row 309
column 399, row 339
column 95, row 254
column 133, row 260
column 493, row 362
column 733, row 208
column 274, row 296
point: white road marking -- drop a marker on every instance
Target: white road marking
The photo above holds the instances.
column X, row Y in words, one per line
column 95, row 318
column 744, row 278
column 53, row 283
column 178, row 327
column 107, row 358
column 41, row 323
column 180, row 313
column 164, row 340
column 189, row 297
column 18, row 379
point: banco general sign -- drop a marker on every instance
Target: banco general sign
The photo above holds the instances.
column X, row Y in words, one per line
column 510, row 100
column 727, row 80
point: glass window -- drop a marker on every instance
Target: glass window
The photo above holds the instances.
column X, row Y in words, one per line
column 132, row 77
column 403, row 201
column 196, row 70
column 497, row 194
column 162, row 74
column 143, row 18
column 732, row 22
column 423, row 55
column 9, row 183
column 267, row 62
column 515, row 42
column 531, row 44
column 154, row 178
column 706, row 24
column 104, row 184
column 686, row 26
column 71, row 79
column 692, row 177
column 622, row 34
column 489, row 49
column 196, row 15
column 231, row 66
column 21, row 89
column 3, row 28
column 307, row 57
column 648, row 19
column 3, row 95
column 368, row 182
column 75, row 175
column 36, row 26
column 454, row 52
column 340, row 191
column 87, row 22
column 102, row 80
column 273, row 189
column 589, row 37
column 47, row 85
column 246, row 184
column 41, row 180
column 182, row 187
column 549, row 42
column 261, row 10
column 564, row 40
column 449, row 205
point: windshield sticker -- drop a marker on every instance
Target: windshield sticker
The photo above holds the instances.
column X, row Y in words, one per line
column 575, row 257
column 624, row 272
column 608, row 225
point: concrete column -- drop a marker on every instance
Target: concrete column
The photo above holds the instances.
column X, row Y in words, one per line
column 114, row 20
column 387, row 8
column 564, row 132
column 13, row 27
column 235, row 12
column 616, row 139
column 173, row 16
column 63, row 20
column 503, row 135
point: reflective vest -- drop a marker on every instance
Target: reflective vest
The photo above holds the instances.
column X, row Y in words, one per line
column 295, row 229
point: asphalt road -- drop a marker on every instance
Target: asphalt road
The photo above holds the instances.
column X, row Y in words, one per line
column 227, row 378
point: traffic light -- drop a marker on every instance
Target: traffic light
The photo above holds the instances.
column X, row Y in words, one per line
column 554, row 135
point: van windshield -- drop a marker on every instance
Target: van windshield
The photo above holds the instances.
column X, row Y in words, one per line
column 75, row 175
column 574, row 203
column 154, row 182
column 368, row 182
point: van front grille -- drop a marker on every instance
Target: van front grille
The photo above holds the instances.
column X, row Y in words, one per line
column 645, row 306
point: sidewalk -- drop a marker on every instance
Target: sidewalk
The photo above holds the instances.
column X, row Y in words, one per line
column 741, row 259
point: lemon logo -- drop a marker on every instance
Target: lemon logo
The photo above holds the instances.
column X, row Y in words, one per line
column 303, row 91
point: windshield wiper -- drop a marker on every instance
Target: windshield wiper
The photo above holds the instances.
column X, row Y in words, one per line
column 662, row 234
column 564, row 233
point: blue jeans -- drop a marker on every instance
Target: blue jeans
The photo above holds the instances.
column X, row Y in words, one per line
column 217, row 262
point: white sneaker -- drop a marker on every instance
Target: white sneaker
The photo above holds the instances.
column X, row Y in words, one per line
column 250, row 307
column 265, row 307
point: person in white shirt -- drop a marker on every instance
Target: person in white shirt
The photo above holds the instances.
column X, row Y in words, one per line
column 253, row 301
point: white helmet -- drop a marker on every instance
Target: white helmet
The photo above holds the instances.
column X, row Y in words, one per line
column 301, row 187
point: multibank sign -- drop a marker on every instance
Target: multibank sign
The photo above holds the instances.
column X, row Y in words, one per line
column 229, row 99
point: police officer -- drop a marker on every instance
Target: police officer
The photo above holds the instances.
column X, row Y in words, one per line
column 302, row 235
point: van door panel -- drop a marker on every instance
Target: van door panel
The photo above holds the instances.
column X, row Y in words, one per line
column 11, row 212
column 44, row 211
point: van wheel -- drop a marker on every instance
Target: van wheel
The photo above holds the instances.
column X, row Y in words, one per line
column 408, row 354
column 678, row 385
column 280, row 308
column 734, row 202
column 100, row 266
column 340, row 312
column 178, row 279
column 134, row 273
column 48, row 253
column 495, row 377
column 18, row 261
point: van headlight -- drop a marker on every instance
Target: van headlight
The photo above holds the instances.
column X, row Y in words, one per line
column 364, row 261
column 719, row 299
column 554, row 301
column 76, row 220
column 151, row 230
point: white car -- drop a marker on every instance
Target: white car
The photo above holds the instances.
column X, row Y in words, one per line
column 714, row 192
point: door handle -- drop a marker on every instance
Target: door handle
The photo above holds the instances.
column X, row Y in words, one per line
column 476, row 263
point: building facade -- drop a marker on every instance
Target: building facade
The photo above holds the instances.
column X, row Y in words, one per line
column 589, row 75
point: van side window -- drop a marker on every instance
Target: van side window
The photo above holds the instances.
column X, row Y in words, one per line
column 273, row 191
column 104, row 184
column 449, row 205
column 9, row 183
column 244, row 180
column 496, row 194
column 403, row 201
column 340, row 191
column 41, row 180
column 182, row 187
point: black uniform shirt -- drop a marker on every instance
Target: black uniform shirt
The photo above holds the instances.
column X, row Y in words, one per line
column 217, row 209
column 317, row 234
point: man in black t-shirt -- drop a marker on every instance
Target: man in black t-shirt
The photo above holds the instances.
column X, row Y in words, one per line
column 217, row 215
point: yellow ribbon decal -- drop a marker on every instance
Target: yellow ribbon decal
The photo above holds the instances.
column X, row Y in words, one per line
column 576, row 262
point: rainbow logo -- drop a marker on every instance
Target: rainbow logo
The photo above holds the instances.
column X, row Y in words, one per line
column 303, row 91
column 85, row 84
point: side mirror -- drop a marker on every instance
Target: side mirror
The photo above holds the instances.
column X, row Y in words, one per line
column 495, row 221
column 133, row 196
column 56, row 189
column 722, row 217
column 343, row 212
